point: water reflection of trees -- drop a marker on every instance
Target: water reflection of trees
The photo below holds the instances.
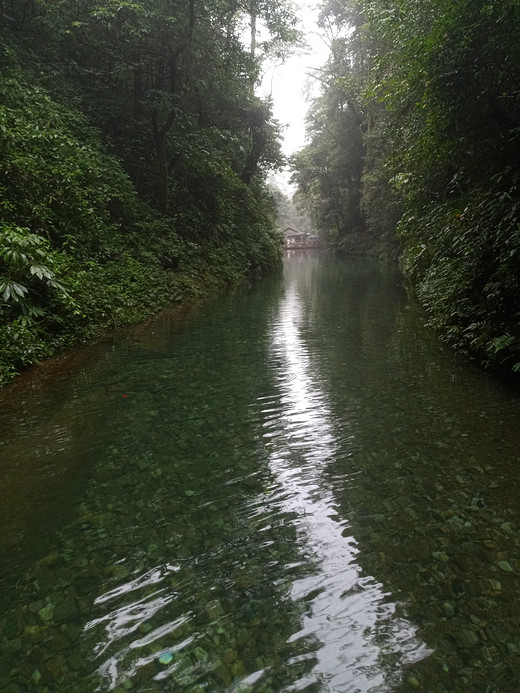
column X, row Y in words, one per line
column 424, row 474
column 360, row 639
column 251, row 511
column 179, row 542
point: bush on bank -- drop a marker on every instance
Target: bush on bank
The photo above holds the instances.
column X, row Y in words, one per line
column 81, row 252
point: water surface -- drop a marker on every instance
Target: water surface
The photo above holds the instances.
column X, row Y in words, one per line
column 291, row 488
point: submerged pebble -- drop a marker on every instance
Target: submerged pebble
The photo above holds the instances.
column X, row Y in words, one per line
column 192, row 562
column 505, row 566
column 165, row 657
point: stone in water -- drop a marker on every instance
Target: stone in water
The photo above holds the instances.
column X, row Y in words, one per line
column 165, row 657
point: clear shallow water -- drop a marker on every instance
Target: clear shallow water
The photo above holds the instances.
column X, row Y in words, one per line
column 294, row 488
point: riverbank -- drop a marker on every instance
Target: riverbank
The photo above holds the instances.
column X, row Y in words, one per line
column 205, row 502
column 85, row 243
column 102, row 301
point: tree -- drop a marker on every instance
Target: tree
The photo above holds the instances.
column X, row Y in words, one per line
column 328, row 171
column 133, row 146
column 415, row 143
column 449, row 80
column 289, row 212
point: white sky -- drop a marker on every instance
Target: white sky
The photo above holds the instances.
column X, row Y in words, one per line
column 287, row 83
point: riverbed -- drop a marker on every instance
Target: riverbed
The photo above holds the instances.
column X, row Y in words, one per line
column 292, row 487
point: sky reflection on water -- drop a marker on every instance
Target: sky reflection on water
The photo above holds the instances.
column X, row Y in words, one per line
column 296, row 489
column 349, row 615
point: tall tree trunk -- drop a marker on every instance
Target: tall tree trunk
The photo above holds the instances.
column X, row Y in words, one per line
column 138, row 93
column 159, row 136
column 252, row 13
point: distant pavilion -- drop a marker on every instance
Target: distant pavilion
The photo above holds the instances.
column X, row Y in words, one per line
column 293, row 237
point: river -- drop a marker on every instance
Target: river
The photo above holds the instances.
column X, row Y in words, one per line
column 293, row 487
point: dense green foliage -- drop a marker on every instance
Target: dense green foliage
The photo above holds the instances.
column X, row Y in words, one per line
column 134, row 154
column 328, row 171
column 432, row 90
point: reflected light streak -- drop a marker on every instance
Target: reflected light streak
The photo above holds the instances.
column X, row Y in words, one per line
column 126, row 620
column 129, row 619
column 350, row 616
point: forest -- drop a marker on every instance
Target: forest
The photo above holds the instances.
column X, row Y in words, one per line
column 414, row 154
column 135, row 153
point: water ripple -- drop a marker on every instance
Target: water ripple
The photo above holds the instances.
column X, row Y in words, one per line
column 347, row 613
column 269, row 509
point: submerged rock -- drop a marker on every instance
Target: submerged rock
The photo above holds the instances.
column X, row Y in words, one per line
column 505, row 566
column 66, row 610
column 46, row 614
column 165, row 657
column 466, row 638
column 214, row 609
